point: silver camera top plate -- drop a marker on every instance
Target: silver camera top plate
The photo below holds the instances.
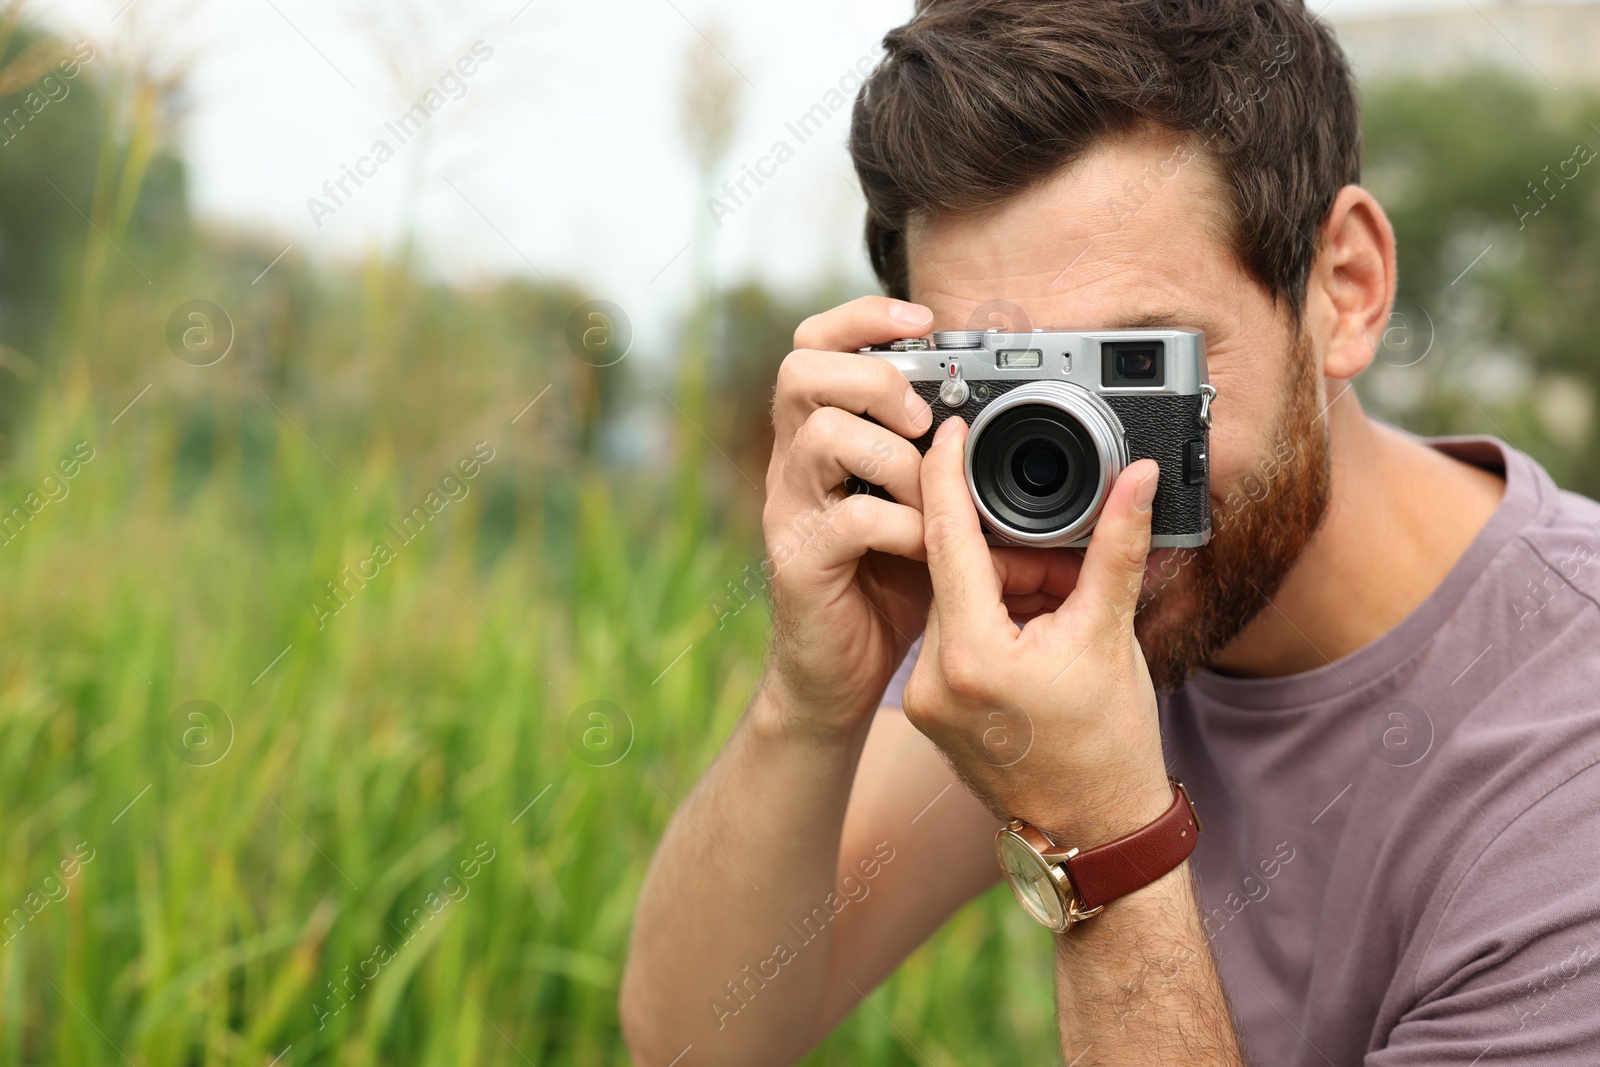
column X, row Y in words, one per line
column 1062, row 355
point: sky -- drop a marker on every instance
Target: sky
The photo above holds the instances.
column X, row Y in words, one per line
column 561, row 154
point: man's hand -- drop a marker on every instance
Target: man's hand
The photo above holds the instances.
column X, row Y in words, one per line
column 1054, row 723
column 1068, row 699
column 848, row 594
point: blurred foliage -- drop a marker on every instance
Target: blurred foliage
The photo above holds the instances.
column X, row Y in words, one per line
column 1486, row 165
column 44, row 173
column 230, row 908
column 369, row 753
column 754, row 332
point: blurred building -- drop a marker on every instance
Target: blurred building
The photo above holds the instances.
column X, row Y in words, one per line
column 1555, row 43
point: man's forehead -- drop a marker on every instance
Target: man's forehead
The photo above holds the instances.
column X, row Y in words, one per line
column 1134, row 233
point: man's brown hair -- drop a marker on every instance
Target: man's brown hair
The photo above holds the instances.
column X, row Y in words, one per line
column 977, row 100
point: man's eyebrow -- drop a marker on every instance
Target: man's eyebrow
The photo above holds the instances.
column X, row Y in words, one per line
column 1165, row 319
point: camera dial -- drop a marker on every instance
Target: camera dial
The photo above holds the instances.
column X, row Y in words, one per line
column 958, row 339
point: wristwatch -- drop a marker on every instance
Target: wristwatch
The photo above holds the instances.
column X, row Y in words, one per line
column 1061, row 886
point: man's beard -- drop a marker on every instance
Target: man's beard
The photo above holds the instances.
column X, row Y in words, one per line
column 1197, row 600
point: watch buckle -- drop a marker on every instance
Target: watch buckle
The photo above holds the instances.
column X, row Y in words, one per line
column 1074, row 916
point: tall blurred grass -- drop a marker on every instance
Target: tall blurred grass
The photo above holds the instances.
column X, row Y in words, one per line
column 359, row 759
column 370, row 759
column 380, row 749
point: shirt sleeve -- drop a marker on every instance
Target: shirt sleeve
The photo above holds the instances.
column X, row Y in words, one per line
column 1512, row 973
column 897, row 684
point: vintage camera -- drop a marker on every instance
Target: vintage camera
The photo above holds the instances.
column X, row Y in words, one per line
column 1055, row 416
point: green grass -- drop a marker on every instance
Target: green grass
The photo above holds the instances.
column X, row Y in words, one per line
column 372, row 759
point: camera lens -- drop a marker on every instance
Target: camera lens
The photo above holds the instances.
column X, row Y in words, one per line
column 1040, row 460
column 1035, row 468
column 1040, row 466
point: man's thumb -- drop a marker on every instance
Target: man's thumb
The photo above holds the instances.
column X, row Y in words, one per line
column 1113, row 565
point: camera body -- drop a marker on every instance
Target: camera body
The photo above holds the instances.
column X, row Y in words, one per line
column 1054, row 417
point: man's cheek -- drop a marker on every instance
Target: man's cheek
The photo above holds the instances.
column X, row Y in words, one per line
column 1239, row 444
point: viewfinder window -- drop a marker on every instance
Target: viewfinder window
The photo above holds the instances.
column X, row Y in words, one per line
column 1133, row 363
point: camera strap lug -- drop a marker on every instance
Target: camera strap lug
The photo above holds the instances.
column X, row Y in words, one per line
column 1208, row 393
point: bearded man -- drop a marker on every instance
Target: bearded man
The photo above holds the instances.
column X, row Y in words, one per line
column 1379, row 682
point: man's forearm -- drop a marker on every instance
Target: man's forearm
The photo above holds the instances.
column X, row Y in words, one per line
column 755, row 845
column 1137, row 985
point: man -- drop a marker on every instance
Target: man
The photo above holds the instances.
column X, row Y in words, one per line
column 1380, row 680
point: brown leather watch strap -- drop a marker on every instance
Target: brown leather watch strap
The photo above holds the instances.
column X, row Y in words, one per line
column 1133, row 861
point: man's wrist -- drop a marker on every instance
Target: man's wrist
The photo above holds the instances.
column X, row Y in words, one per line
column 776, row 715
column 1158, row 910
column 1096, row 816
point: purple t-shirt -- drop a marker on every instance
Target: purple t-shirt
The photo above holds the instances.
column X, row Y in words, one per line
column 1401, row 857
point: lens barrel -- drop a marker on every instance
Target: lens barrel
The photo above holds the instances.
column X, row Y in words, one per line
column 1040, row 462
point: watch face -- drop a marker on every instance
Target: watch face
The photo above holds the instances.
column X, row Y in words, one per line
column 1030, row 880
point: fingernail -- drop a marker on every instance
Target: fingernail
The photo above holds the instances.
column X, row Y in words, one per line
column 918, row 411
column 909, row 314
column 947, row 428
column 1145, row 491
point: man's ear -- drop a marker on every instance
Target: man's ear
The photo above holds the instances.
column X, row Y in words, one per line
column 1352, row 283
